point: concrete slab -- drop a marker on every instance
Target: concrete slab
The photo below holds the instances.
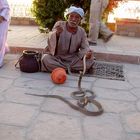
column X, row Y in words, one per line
column 25, row 117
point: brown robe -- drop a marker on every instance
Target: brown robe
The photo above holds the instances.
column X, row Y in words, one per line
column 67, row 51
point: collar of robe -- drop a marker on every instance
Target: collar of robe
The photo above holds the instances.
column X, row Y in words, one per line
column 72, row 30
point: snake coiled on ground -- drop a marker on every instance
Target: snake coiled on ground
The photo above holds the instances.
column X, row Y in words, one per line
column 80, row 95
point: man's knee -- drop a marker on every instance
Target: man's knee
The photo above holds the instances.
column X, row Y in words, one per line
column 45, row 62
column 46, row 58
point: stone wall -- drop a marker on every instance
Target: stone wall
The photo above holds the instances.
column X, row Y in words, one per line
column 128, row 27
column 22, row 21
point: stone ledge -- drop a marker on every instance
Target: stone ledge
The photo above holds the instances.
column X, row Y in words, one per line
column 19, row 50
column 128, row 27
column 128, row 20
column 22, row 21
column 119, row 58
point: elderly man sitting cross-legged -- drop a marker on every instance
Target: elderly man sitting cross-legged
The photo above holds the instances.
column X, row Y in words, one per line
column 68, row 44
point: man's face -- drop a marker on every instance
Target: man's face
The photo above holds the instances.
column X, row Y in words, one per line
column 74, row 19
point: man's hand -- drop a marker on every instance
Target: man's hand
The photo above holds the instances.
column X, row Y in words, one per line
column 1, row 19
column 59, row 30
column 89, row 54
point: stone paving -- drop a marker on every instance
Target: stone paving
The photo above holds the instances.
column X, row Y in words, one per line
column 24, row 117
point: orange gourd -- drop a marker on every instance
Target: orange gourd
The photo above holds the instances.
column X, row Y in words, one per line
column 58, row 75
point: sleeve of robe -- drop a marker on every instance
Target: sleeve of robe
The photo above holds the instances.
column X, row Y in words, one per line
column 4, row 9
column 84, row 45
column 52, row 39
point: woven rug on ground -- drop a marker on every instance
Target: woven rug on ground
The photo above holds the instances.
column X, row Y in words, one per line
column 107, row 70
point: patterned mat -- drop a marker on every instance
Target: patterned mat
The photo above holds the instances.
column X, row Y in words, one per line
column 107, row 70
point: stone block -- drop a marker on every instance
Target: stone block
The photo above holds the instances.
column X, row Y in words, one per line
column 22, row 21
column 128, row 27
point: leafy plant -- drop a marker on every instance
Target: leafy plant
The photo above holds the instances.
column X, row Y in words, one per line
column 47, row 12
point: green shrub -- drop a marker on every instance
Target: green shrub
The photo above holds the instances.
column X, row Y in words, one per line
column 47, row 12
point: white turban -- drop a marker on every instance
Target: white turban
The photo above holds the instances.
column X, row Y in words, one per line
column 77, row 10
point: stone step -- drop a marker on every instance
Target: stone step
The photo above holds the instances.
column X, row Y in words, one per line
column 109, row 57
